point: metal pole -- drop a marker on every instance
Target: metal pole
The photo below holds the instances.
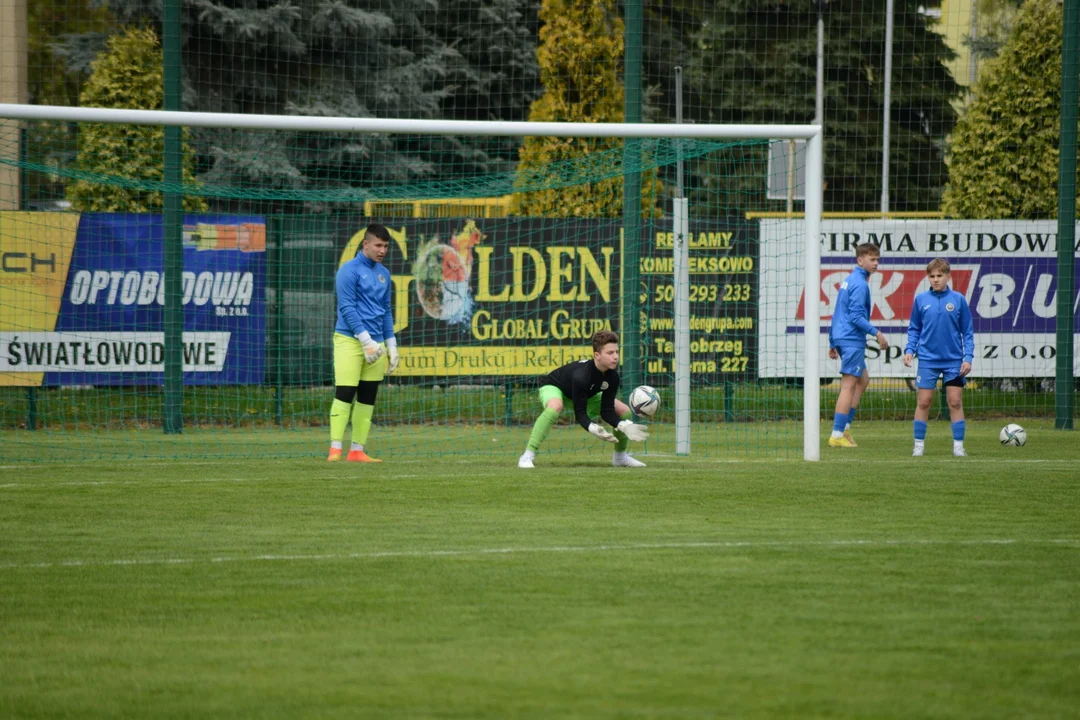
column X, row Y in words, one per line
column 679, row 192
column 1064, row 401
column 681, row 306
column 811, row 305
column 681, row 302
column 887, row 111
column 819, row 96
column 631, row 211
column 173, row 420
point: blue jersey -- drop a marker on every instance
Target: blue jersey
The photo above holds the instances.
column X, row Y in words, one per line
column 851, row 316
column 364, row 292
column 941, row 332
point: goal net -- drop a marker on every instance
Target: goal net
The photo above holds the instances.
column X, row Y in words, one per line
column 498, row 278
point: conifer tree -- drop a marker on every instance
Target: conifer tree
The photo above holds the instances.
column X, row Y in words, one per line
column 127, row 75
column 580, row 54
column 1004, row 151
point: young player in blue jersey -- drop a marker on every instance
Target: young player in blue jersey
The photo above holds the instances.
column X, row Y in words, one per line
column 942, row 336
column 847, row 341
column 591, row 386
column 365, row 350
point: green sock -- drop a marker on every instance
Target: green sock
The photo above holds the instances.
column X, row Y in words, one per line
column 339, row 419
column 361, row 422
column 624, row 442
column 542, row 427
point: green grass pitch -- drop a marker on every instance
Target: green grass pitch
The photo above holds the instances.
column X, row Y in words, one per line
column 869, row 585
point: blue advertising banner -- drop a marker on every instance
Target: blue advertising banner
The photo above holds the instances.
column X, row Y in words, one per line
column 110, row 326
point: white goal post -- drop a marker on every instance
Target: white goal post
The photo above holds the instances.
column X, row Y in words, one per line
column 812, row 134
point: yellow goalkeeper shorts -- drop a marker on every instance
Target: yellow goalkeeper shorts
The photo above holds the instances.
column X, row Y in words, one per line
column 350, row 365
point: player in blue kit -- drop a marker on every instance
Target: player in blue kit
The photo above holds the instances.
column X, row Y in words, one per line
column 847, row 341
column 942, row 336
column 365, row 350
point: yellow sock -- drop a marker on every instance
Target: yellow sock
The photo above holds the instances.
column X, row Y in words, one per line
column 361, row 422
column 339, row 419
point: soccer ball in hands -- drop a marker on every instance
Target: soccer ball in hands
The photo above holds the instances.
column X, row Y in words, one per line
column 644, row 400
column 1012, row 435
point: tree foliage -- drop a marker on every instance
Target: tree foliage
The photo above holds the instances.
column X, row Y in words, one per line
column 1004, row 151
column 127, row 75
column 459, row 59
column 754, row 61
column 580, row 55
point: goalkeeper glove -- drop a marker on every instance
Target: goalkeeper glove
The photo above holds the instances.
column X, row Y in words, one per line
column 601, row 433
column 372, row 350
column 392, row 354
column 637, row 433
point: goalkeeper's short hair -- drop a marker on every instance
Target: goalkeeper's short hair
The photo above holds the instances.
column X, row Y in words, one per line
column 602, row 338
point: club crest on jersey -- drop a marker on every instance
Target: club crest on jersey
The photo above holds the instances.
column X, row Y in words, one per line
column 949, row 307
column 603, row 385
column 382, row 278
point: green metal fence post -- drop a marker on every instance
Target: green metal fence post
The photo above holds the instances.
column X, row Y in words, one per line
column 173, row 421
column 1064, row 400
column 729, row 403
column 509, row 387
column 275, row 244
column 630, row 323
column 31, row 408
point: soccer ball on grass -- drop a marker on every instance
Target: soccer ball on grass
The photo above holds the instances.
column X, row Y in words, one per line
column 644, row 400
column 1012, row 435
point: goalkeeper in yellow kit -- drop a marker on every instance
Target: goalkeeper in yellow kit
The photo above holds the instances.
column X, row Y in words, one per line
column 365, row 349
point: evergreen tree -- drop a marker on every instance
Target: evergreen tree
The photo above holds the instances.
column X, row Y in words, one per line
column 580, row 53
column 1004, row 152
column 351, row 58
column 127, row 75
column 754, row 61
column 55, row 78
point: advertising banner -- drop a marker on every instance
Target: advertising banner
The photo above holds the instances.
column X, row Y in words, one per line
column 496, row 297
column 723, row 301
column 1007, row 270
column 83, row 299
column 520, row 297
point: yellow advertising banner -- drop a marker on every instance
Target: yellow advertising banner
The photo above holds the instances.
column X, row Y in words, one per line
column 487, row 360
column 35, row 252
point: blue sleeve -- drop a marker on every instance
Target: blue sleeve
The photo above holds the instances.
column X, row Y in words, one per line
column 388, row 318
column 914, row 329
column 967, row 328
column 858, row 299
column 347, row 298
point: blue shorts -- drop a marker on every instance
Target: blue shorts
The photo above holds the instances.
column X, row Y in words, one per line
column 852, row 360
column 927, row 376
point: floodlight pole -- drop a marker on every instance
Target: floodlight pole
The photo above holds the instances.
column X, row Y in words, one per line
column 819, row 95
column 887, row 110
